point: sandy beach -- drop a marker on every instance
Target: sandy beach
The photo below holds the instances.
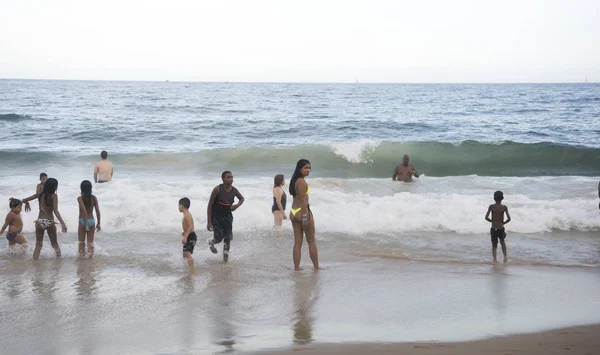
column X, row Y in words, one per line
column 584, row 340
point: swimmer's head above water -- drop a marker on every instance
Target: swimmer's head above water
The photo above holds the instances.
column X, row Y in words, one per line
column 405, row 160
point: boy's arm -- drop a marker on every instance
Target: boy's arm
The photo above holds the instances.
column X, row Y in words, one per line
column 38, row 191
column 395, row 176
column 240, row 200
column 96, row 173
column 26, row 201
column 487, row 215
column 211, row 201
column 507, row 215
column 6, row 222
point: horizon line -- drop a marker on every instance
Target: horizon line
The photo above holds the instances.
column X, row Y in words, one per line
column 312, row 82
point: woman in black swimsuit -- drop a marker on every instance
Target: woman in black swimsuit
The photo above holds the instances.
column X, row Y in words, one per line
column 279, row 200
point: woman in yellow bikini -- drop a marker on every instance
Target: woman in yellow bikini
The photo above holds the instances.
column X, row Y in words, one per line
column 301, row 216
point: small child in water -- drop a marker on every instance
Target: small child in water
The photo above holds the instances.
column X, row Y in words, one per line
column 14, row 222
column 189, row 235
column 497, row 231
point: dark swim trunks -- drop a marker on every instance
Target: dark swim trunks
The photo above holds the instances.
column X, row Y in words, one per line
column 191, row 242
column 496, row 234
column 11, row 236
column 222, row 228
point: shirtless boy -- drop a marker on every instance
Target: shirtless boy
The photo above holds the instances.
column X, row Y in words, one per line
column 189, row 235
column 497, row 231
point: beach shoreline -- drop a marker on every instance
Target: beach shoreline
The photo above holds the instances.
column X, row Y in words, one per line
column 573, row 340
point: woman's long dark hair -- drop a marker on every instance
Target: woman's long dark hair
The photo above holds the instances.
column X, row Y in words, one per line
column 49, row 189
column 297, row 174
column 86, row 194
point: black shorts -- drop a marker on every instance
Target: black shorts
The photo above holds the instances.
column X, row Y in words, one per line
column 496, row 234
column 191, row 242
column 222, row 228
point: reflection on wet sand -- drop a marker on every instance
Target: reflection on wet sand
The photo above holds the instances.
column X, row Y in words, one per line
column 305, row 298
column 46, row 277
column 498, row 288
column 190, row 314
column 86, row 282
column 223, row 289
column 86, row 289
column 13, row 288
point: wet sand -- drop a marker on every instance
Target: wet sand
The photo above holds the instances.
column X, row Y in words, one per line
column 124, row 302
column 583, row 340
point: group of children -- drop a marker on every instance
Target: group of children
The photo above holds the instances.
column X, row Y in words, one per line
column 45, row 223
column 219, row 218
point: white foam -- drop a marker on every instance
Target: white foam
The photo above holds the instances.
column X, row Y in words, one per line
column 356, row 152
column 348, row 206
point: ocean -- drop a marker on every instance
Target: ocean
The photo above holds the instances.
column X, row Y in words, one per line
column 397, row 256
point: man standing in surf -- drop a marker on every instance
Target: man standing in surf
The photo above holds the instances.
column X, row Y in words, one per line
column 405, row 171
column 103, row 170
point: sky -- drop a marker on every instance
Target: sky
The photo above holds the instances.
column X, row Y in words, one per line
column 426, row 41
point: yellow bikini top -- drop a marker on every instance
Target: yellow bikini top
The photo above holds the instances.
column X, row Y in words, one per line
column 308, row 190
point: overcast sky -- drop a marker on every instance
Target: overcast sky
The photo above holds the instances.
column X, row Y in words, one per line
column 302, row 41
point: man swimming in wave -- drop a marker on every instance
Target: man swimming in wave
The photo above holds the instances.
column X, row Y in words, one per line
column 405, row 171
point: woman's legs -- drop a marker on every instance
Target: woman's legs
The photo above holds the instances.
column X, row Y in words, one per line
column 278, row 218
column 90, row 240
column 298, row 236
column 81, row 237
column 39, row 240
column 312, row 243
column 54, row 239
